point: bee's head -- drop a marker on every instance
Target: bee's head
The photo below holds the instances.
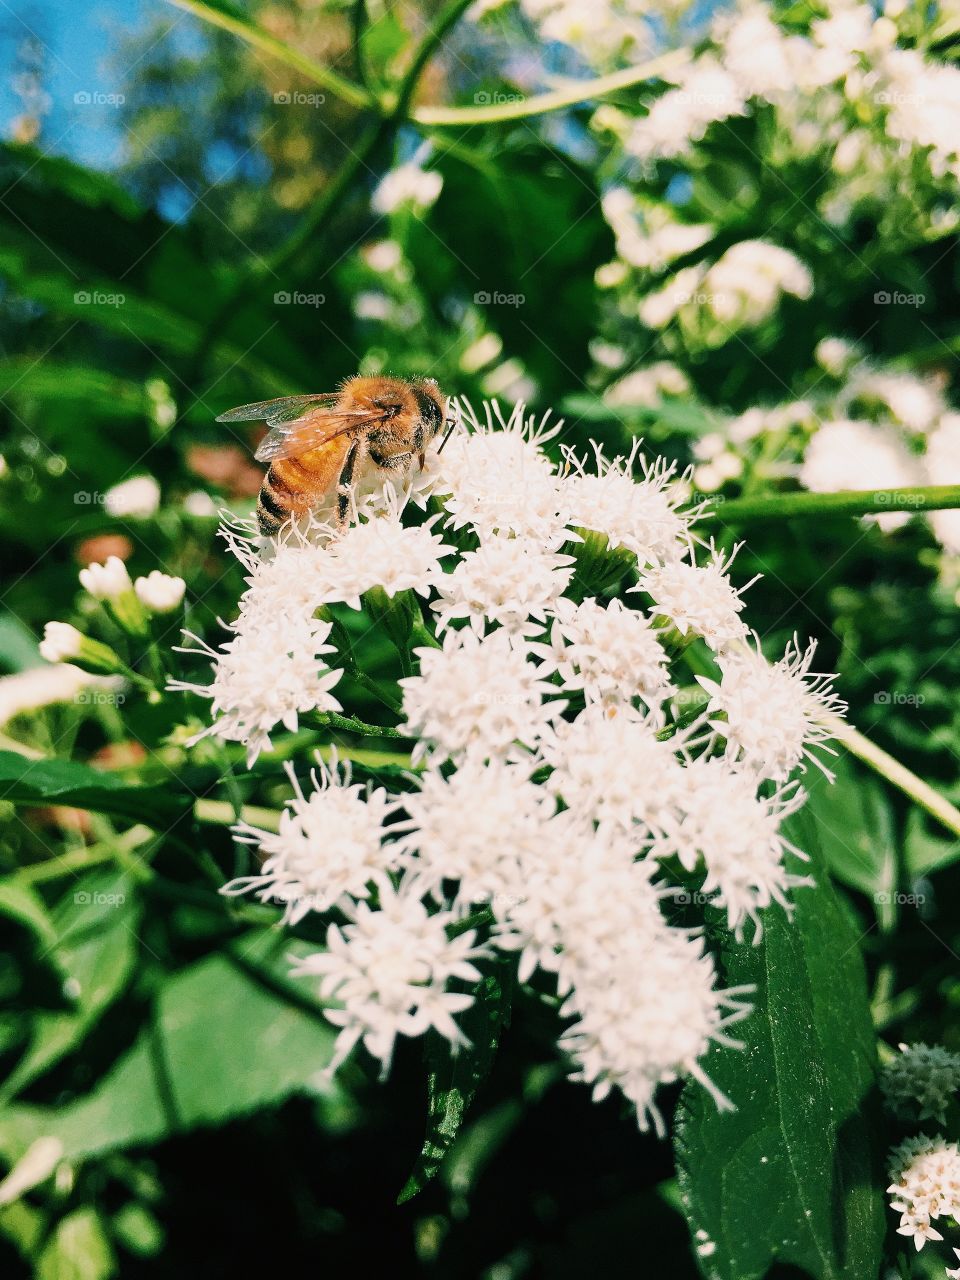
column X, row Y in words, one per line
column 435, row 411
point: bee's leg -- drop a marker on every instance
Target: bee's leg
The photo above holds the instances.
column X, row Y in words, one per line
column 345, row 483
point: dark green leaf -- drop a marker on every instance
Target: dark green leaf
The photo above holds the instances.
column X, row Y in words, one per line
column 219, row 1045
column 454, row 1078
column 43, row 782
column 791, row 1175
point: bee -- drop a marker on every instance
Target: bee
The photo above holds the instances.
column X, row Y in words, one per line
column 320, row 447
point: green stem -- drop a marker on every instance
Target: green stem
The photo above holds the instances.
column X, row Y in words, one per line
column 239, row 25
column 920, row 792
column 571, row 95
column 222, row 813
column 444, row 22
column 350, row 724
column 846, row 503
column 71, row 864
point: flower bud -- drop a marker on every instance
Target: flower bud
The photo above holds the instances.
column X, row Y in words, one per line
column 159, row 592
column 106, row 581
column 63, row 643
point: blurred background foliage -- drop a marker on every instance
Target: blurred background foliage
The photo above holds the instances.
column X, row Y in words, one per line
column 222, row 235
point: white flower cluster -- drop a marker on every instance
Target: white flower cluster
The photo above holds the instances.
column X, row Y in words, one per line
column 571, row 785
column 924, row 1187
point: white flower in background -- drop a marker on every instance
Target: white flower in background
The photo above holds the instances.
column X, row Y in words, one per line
column 756, row 53
column 744, row 286
column 648, row 386
column 330, row 843
column 699, row 599
column 942, row 463
column 495, row 476
column 920, row 1081
column 510, row 581
column 859, row 455
column 734, row 835
column 384, row 256
column 609, row 765
column 60, row 642
column 38, row 687
column 135, row 499
column 610, row 652
column 390, row 966
column 200, row 505
column 647, row 237
column 476, row 826
column 916, row 403
column 680, row 117
column 160, row 592
column 265, row 676
column 925, row 1185
column 643, row 515
column 837, row 356
column 407, row 185
column 772, row 712
column 658, row 308
column 106, row 581
column 477, row 696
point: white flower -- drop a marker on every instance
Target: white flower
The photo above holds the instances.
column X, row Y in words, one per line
column 699, row 598
column 609, row 765
column 268, row 674
column 681, row 116
column 734, row 834
column 137, row 498
column 159, row 592
column 476, row 695
column 641, row 515
column 476, row 827
column 41, row 686
column 943, row 467
column 390, row 968
column 408, row 184
column 612, row 653
column 579, row 893
column 920, row 1081
column 745, row 284
column 648, row 1014
column 925, row 1185
column 773, row 712
column 60, row 642
column 836, row 355
column 916, row 403
column 648, row 386
column 859, row 455
column 380, row 551
column 496, row 477
column 330, row 843
column 106, row 581
column 510, row 581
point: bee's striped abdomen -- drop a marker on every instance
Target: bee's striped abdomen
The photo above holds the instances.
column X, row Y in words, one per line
column 281, row 495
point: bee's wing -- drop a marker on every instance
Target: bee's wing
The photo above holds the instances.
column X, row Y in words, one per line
column 275, row 411
column 311, row 430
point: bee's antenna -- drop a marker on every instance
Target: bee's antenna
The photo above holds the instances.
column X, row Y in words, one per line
column 451, row 423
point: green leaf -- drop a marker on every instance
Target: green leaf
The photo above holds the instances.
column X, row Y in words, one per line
column 95, row 948
column 855, row 829
column 454, row 1078
column 77, row 1250
column 925, row 851
column 791, row 1175
column 21, row 904
column 219, row 1044
column 43, row 782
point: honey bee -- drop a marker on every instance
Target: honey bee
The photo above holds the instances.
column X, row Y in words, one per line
column 322, row 446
